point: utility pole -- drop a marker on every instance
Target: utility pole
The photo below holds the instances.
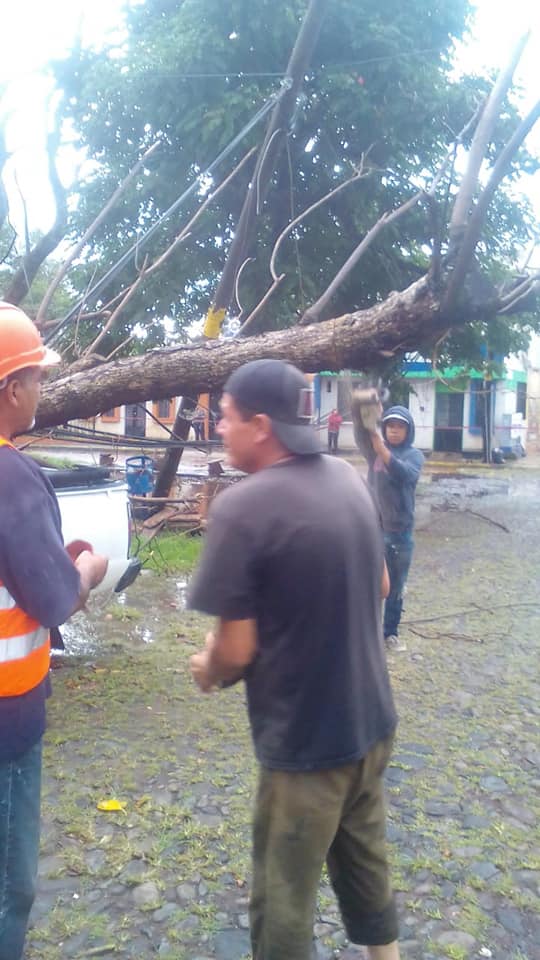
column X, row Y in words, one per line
column 271, row 147
column 269, row 152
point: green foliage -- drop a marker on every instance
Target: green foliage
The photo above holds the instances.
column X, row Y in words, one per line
column 10, row 261
column 171, row 552
column 192, row 74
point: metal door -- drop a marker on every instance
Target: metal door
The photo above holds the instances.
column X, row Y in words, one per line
column 448, row 422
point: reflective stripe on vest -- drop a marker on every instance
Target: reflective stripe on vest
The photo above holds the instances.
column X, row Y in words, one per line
column 24, row 645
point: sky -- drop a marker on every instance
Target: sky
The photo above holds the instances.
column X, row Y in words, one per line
column 35, row 32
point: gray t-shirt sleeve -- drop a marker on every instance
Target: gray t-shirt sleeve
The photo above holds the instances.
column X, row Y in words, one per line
column 224, row 584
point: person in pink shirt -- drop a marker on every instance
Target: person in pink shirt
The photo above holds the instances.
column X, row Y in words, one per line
column 334, row 422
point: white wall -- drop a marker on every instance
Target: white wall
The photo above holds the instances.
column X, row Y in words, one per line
column 329, row 395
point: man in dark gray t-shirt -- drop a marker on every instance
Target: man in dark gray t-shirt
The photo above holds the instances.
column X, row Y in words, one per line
column 293, row 568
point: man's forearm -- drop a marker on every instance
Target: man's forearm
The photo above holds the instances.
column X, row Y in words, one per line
column 91, row 568
column 222, row 673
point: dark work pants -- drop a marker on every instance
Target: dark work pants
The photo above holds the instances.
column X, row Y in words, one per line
column 20, row 792
column 303, row 819
column 332, row 440
column 398, row 550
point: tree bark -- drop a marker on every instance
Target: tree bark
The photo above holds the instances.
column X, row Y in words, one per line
column 358, row 340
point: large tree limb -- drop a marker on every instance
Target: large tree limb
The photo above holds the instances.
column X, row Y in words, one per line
column 357, row 340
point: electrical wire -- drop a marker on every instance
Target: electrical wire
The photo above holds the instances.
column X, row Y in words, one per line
column 142, row 241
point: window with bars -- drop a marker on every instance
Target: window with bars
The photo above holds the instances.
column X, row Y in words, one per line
column 521, row 399
column 164, row 409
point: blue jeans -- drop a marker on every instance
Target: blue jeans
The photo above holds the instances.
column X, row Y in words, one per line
column 20, row 794
column 398, row 549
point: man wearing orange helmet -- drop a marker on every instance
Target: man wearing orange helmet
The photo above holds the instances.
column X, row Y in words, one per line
column 40, row 587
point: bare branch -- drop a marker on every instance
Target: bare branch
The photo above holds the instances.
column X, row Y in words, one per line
column 185, row 232
column 477, row 218
column 481, row 139
column 79, row 247
column 24, row 277
column 359, row 175
column 277, row 280
column 451, row 149
column 116, row 313
column 27, row 244
column 121, row 346
column 269, row 151
column 529, row 288
column 262, row 303
column 314, row 313
column 530, row 254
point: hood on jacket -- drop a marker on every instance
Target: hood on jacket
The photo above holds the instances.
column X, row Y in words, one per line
column 400, row 413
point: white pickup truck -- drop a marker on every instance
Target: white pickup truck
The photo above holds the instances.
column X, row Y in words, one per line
column 96, row 509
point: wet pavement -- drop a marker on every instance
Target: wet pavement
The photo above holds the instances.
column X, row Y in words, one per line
column 168, row 875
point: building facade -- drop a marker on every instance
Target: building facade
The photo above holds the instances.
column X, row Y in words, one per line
column 453, row 409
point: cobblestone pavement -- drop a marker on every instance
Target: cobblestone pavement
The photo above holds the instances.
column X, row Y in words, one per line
column 168, row 875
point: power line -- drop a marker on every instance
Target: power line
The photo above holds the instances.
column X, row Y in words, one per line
column 247, row 75
column 142, row 241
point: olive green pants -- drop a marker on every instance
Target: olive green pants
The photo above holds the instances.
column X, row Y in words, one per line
column 303, row 820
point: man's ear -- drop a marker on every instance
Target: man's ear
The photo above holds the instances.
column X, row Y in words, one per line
column 11, row 391
column 263, row 427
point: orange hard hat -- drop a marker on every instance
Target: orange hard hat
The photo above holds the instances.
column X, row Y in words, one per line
column 20, row 342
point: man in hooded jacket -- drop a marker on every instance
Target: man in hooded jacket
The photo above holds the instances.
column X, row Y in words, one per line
column 394, row 468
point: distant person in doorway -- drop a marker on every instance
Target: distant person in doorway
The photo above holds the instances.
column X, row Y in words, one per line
column 334, row 423
column 198, row 425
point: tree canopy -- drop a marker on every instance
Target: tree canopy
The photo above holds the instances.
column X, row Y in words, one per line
column 191, row 74
column 392, row 174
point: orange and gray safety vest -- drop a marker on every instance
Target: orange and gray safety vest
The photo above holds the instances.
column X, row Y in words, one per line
column 24, row 644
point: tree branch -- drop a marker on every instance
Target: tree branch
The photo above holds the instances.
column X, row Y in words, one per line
column 116, row 313
column 313, row 314
column 481, row 139
column 526, row 289
column 79, row 247
column 359, row 175
column 478, row 215
column 358, row 341
column 22, row 280
column 277, row 280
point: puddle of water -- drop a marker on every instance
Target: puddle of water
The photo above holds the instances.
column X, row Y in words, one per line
column 181, row 592
column 109, row 624
column 455, row 489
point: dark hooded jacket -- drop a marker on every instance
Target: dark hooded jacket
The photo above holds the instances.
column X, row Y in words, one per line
column 394, row 486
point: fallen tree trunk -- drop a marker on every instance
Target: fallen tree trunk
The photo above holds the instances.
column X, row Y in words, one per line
column 360, row 340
